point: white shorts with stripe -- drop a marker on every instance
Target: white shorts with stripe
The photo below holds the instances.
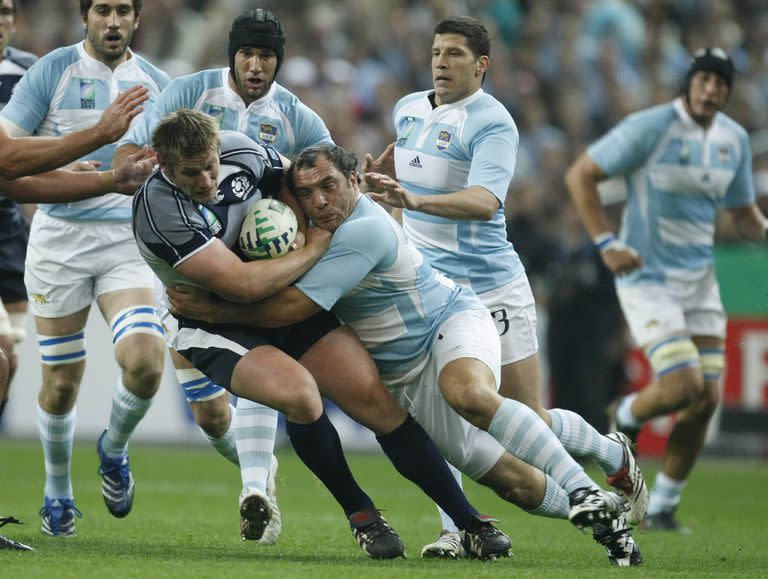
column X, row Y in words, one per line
column 514, row 312
column 468, row 334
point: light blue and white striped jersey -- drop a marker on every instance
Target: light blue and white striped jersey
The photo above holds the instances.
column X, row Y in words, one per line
column 382, row 287
column 446, row 149
column 278, row 119
column 677, row 174
column 67, row 90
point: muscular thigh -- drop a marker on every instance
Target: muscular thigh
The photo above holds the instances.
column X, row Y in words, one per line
column 469, row 449
column 346, row 374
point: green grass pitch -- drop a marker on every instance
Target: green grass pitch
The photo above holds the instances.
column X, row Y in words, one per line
column 184, row 524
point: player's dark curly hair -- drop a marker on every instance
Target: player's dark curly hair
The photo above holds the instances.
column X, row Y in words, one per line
column 473, row 30
column 85, row 6
column 345, row 161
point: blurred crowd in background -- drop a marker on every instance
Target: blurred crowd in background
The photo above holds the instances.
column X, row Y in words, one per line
column 567, row 70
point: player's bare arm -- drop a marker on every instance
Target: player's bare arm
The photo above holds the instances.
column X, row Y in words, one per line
column 117, row 117
column 475, row 202
column 122, row 152
column 287, row 307
column 64, row 186
column 582, row 179
column 218, row 269
column 750, row 222
column 29, row 155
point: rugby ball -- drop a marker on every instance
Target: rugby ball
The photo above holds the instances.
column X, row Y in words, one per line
column 268, row 230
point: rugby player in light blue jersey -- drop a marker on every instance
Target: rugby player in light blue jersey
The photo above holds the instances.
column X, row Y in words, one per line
column 20, row 157
column 454, row 158
column 186, row 220
column 433, row 340
column 243, row 97
column 680, row 163
column 84, row 251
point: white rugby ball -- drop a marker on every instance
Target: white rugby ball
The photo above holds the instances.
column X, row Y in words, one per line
column 268, row 230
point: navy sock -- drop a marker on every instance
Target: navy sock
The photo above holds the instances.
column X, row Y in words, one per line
column 319, row 447
column 417, row 458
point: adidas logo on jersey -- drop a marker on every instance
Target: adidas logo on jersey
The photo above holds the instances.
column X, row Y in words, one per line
column 415, row 162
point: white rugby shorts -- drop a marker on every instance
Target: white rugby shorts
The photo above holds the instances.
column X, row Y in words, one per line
column 70, row 263
column 657, row 311
column 514, row 313
column 468, row 334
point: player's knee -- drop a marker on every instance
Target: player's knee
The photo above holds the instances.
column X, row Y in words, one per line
column 302, row 402
column 143, row 374
column 62, row 358
column 212, row 418
column 140, row 345
column 708, row 400
column 474, row 404
column 59, row 389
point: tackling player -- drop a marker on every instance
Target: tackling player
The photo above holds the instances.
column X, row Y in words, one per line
column 186, row 219
column 454, row 159
column 432, row 340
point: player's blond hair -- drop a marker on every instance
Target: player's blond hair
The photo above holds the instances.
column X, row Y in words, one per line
column 185, row 133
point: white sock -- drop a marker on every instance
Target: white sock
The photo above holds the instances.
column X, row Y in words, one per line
column 624, row 414
column 555, row 504
column 57, row 432
column 665, row 494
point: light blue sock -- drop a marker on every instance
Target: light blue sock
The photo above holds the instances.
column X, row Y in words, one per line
column 525, row 435
column 255, row 430
column 555, row 504
column 127, row 411
column 57, row 431
column 581, row 440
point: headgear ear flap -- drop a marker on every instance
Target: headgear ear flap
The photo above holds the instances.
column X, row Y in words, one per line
column 258, row 28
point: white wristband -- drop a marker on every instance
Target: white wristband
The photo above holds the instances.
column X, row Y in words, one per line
column 605, row 241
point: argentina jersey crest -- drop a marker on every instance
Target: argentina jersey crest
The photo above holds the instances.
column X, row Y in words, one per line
column 443, row 140
column 267, row 133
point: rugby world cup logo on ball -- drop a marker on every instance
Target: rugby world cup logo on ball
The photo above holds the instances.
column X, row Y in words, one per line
column 268, row 229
